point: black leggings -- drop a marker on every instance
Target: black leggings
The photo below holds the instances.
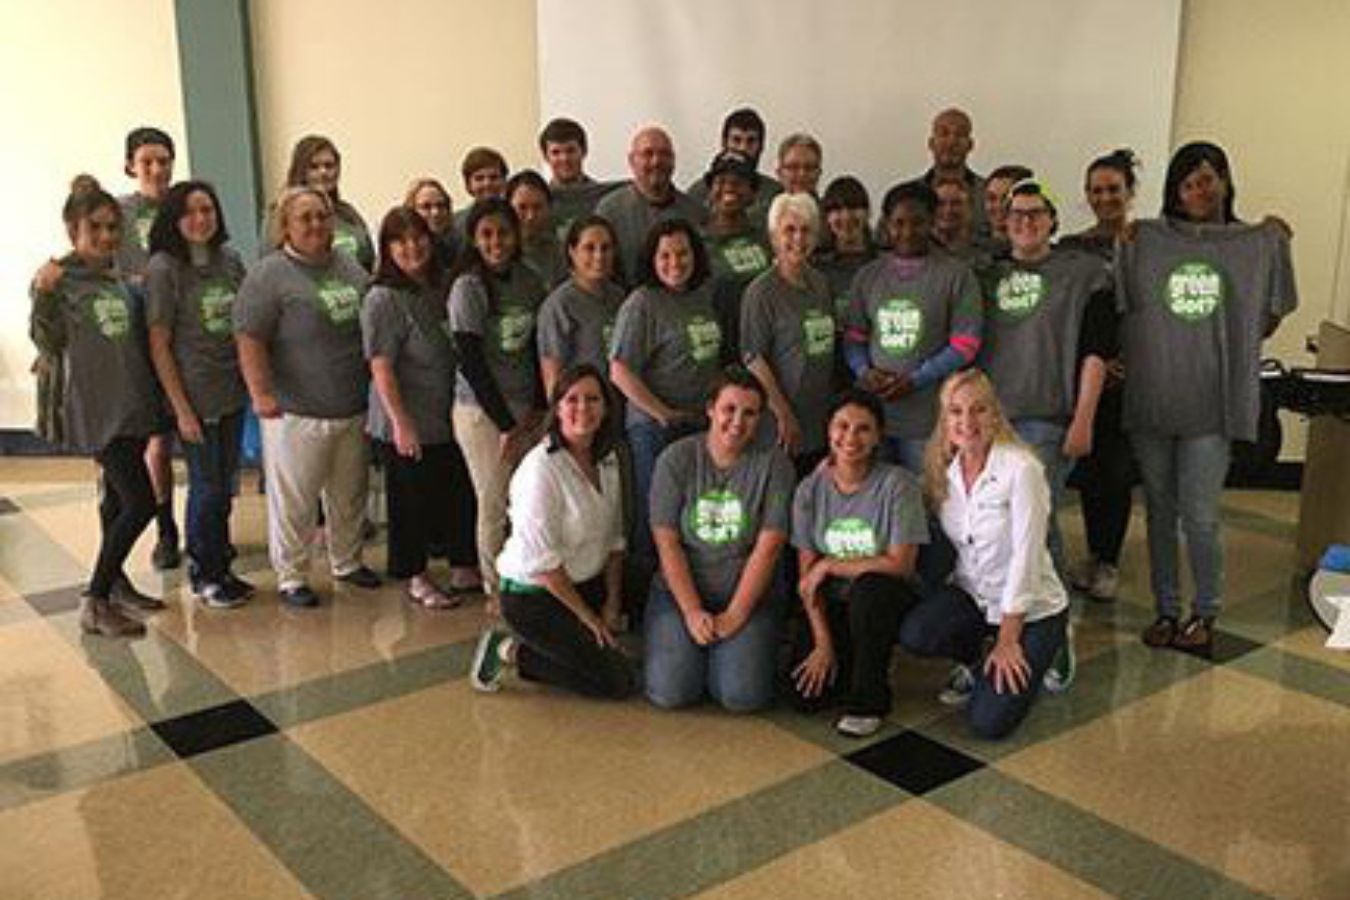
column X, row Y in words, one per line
column 126, row 510
column 1105, row 479
column 430, row 501
column 555, row 648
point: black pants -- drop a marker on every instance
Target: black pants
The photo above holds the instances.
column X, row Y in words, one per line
column 555, row 648
column 864, row 619
column 1105, row 479
column 429, row 501
column 127, row 508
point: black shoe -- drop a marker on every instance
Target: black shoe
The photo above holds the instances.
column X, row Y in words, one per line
column 238, row 585
column 166, row 555
column 361, row 577
column 300, row 597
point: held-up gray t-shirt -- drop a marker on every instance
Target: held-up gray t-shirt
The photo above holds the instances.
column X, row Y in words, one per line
column 1032, row 326
column 577, row 327
column 719, row 513
column 673, row 343
column 633, row 215
column 886, row 511
column 110, row 387
column 196, row 304
column 310, row 319
column 1197, row 300
column 138, row 216
column 793, row 330
column 907, row 320
column 507, row 332
column 410, row 330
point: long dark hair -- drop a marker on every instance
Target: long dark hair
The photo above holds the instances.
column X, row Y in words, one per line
column 1183, row 163
column 305, row 150
column 607, row 436
column 167, row 237
column 667, row 228
column 397, row 224
column 578, row 228
column 471, row 260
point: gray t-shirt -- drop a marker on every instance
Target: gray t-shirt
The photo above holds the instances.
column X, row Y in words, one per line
column 907, row 320
column 673, row 343
column 1197, row 300
column 735, row 260
column 310, row 319
column 793, row 330
column 632, row 216
column 576, row 327
column 110, row 387
column 545, row 255
column 410, row 330
column 507, row 331
column 1032, row 326
column 138, row 216
column 887, row 511
column 351, row 236
column 719, row 513
column 196, row 304
column 839, row 270
column 575, row 201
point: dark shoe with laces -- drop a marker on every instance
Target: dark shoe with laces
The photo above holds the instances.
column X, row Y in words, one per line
column 362, row 577
column 1162, row 632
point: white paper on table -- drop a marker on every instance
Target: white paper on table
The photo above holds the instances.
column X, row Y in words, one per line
column 1340, row 634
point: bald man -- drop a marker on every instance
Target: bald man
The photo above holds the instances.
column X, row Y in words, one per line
column 950, row 142
column 650, row 197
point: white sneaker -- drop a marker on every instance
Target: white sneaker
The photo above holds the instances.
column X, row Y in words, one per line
column 1061, row 673
column 858, row 726
column 1105, row 582
column 1082, row 575
column 960, row 685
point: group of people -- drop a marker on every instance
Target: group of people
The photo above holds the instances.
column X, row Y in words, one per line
column 609, row 403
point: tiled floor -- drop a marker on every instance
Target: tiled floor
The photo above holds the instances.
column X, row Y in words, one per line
column 340, row 753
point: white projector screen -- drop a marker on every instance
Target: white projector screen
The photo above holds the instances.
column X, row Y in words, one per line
column 1049, row 83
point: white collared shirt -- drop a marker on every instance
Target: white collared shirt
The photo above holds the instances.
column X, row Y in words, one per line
column 558, row 518
column 999, row 530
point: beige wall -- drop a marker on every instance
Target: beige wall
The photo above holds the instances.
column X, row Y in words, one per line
column 1269, row 80
column 71, row 93
column 402, row 93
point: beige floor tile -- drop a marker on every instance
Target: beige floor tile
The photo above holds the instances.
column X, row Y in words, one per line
column 1281, row 505
column 1240, row 774
column 1312, row 643
column 34, row 475
column 504, row 789
column 157, row 834
column 49, row 697
column 914, row 851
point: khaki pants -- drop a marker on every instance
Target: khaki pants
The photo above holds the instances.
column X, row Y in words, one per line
column 480, row 440
column 305, row 459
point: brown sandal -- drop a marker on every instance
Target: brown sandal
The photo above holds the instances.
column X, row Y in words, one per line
column 1162, row 632
column 1196, row 634
column 432, row 597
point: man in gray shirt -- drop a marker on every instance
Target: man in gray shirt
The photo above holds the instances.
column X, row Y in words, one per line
column 563, row 145
column 648, row 198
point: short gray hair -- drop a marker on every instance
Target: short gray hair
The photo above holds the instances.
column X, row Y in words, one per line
column 803, row 206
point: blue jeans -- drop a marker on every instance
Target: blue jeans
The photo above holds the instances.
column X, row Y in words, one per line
column 948, row 624
column 646, row 440
column 1183, row 482
column 1046, row 439
column 213, row 466
column 737, row 672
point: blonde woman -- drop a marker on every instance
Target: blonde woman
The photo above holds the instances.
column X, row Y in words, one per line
column 992, row 499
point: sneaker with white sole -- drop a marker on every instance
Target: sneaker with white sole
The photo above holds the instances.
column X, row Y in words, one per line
column 1105, row 582
column 960, row 685
column 858, row 726
column 1061, row 673
column 489, row 663
column 221, row 595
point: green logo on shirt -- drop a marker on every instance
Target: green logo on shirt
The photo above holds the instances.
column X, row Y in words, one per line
column 818, row 333
column 217, row 304
column 705, row 339
column 145, row 219
column 607, row 337
column 514, row 328
column 340, row 301
column 899, row 326
column 1019, row 293
column 1194, row 291
column 850, row 539
column 719, row 517
column 745, row 257
column 111, row 315
column 344, row 240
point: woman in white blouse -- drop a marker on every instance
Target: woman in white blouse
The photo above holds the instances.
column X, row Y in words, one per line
column 991, row 496
column 562, row 565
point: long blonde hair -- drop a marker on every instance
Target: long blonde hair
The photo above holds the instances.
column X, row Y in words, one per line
column 938, row 455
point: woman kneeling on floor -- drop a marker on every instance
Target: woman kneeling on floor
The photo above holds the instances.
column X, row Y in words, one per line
column 561, row 568
column 992, row 498
column 857, row 523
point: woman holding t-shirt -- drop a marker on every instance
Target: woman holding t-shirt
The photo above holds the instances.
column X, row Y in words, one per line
column 576, row 322
column 787, row 333
column 1199, row 291
column 857, row 524
column 191, row 283
column 316, row 163
column 298, row 331
column 86, row 314
column 494, row 300
column 719, row 514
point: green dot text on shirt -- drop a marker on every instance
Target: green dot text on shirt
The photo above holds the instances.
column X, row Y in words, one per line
column 1194, row 291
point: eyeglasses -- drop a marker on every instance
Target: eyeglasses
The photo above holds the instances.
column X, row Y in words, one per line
column 1027, row 215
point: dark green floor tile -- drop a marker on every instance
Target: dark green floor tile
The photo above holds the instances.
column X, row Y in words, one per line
column 1271, row 615
column 1300, row 673
column 70, row 768
column 725, row 842
column 333, row 843
column 1115, row 860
